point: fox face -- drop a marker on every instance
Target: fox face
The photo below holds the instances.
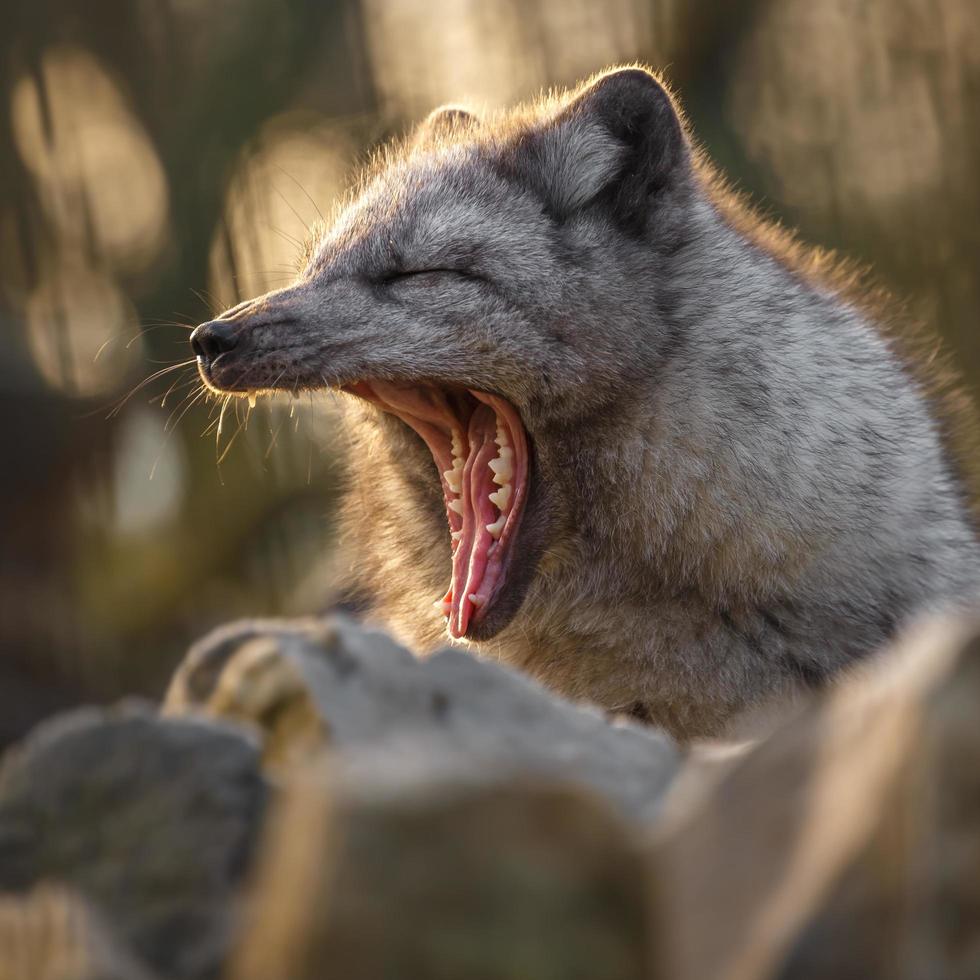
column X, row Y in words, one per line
column 465, row 293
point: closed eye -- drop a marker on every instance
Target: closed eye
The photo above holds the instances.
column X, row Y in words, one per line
column 422, row 274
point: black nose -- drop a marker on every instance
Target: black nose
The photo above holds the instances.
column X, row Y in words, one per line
column 209, row 340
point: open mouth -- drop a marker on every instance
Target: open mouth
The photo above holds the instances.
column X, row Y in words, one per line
column 480, row 449
column 481, row 453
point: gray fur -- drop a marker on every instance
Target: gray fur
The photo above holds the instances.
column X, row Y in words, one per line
column 737, row 488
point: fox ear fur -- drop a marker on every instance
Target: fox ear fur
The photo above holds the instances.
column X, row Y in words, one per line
column 443, row 122
column 620, row 139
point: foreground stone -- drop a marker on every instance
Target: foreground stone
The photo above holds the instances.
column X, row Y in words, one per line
column 510, row 883
column 51, row 933
column 845, row 845
column 150, row 821
column 447, row 818
column 397, row 720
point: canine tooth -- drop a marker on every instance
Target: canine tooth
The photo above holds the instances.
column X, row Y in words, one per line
column 251, row 399
column 475, row 599
column 456, row 506
column 501, row 498
column 444, row 607
column 496, row 529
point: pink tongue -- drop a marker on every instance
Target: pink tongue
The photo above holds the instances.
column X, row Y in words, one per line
column 478, row 557
column 472, row 555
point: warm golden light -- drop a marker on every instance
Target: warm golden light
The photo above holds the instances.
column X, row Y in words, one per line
column 851, row 115
column 98, row 175
column 148, row 480
column 295, row 168
column 82, row 331
column 493, row 54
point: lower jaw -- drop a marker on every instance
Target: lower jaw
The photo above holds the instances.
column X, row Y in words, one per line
column 480, row 451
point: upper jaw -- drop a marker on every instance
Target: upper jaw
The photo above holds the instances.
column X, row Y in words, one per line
column 227, row 376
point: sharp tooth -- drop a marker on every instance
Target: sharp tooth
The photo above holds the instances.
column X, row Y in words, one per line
column 501, row 498
column 251, row 399
column 444, row 607
column 502, row 470
column 497, row 527
column 456, row 506
column 456, row 535
column 453, row 480
column 502, row 438
column 475, row 599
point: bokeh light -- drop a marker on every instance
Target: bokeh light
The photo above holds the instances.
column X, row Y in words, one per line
column 148, row 475
column 82, row 331
column 98, row 176
column 490, row 55
column 294, row 169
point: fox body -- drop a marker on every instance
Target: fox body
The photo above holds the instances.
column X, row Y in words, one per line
column 721, row 481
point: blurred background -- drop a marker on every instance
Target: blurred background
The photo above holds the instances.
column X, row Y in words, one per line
column 160, row 159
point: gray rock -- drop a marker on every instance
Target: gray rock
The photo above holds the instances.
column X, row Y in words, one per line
column 398, row 722
column 152, row 821
column 467, row 823
column 52, row 933
column 520, row 881
column 845, row 845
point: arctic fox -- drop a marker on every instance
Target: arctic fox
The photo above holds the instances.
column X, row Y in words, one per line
column 607, row 426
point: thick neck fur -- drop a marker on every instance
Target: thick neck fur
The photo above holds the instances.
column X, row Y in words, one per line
column 765, row 501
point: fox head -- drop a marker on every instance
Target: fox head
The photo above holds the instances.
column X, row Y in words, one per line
column 492, row 295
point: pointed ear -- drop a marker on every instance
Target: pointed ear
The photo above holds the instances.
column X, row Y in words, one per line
column 446, row 121
column 619, row 141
